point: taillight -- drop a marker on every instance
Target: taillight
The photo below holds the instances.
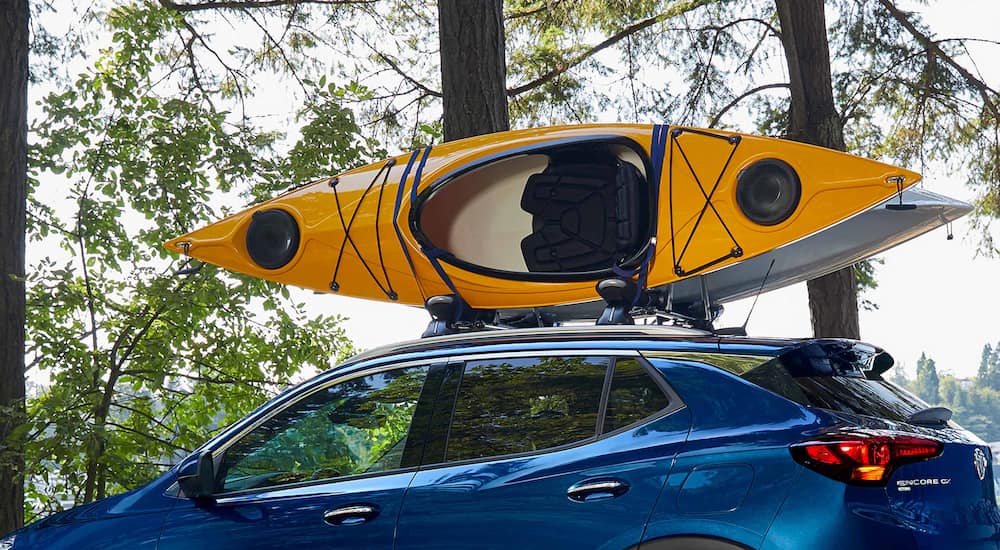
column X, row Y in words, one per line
column 863, row 458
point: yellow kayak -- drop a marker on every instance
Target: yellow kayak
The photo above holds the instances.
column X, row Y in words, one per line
column 534, row 218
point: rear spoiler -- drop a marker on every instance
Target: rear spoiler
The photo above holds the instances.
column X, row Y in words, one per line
column 834, row 357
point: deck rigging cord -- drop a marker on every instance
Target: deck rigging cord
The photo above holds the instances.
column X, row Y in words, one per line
column 737, row 250
column 386, row 289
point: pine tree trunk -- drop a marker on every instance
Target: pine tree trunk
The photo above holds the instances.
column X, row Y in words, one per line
column 473, row 67
column 13, row 189
column 833, row 298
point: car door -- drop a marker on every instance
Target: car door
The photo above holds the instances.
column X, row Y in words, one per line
column 555, row 450
column 327, row 471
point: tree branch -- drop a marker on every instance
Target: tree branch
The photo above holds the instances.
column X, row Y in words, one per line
column 741, row 97
column 395, row 67
column 989, row 103
column 145, row 415
column 147, row 436
column 542, row 6
column 607, row 43
column 254, row 4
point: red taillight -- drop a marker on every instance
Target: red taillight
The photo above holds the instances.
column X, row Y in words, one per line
column 863, row 458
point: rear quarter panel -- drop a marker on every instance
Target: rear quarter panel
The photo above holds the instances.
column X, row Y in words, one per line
column 734, row 472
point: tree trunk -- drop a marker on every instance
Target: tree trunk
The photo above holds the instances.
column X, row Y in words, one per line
column 833, row 298
column 13, row 193
column 473, row 67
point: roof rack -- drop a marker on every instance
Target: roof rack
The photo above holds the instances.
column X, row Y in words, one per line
column 624, row 301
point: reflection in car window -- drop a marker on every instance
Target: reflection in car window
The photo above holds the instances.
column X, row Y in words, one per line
column 861, row 396
column 517, row 405
column 850, row 394
column 633, row 396
column 358, row 426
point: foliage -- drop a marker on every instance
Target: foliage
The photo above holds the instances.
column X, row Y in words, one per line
column 975, row 404
column 145, row 362
column 927, row 384
column 354, row 427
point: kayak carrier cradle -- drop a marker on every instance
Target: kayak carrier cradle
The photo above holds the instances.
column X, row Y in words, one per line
column 624, row 302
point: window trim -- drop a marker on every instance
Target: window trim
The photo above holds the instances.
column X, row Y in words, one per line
column 674, row 403
column 297, row 489
column 220, row 451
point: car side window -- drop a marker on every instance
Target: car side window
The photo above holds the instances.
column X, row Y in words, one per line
column 516, row 405
column 634, row 395
column 357, row 426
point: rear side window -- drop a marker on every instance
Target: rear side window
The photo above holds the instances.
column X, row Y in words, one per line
column 634, row 395
column 517, row 405
column 827, row 376
column 860, row 396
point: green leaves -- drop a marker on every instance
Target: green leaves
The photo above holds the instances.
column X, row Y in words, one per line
column 976, row 403
column 144, row 365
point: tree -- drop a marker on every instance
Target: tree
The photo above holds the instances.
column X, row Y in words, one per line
column 813, row 118
column 473, row 86
column 983, row 374
column 927, row 382
column 898, row 376
column 992, row 378
column 13, row 193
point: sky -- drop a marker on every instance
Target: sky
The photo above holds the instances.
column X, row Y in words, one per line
column 935, row 296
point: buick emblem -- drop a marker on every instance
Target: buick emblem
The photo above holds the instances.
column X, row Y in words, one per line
column 979, row 459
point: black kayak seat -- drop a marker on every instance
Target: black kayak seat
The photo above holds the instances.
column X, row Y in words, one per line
column 585, row 216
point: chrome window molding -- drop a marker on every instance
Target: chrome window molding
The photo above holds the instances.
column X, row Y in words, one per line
column 302, row 489
column 608, row 353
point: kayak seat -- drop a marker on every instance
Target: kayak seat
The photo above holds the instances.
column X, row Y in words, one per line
column 585, row 216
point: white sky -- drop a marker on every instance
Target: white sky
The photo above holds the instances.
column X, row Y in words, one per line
column 934, row 295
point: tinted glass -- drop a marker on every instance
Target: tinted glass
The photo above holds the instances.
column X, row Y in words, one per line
column 861, row 396
column 846, row 391
column 358, row 426
column 634, row 395
column 525, row 404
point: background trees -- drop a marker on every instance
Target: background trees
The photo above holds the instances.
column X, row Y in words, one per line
column 974, row 402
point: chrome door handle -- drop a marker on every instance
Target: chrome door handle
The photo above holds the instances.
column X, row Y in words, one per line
column 597, row 489
column 351, row 515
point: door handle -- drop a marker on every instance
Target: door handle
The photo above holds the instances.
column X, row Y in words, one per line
column 597, row 489
column 355, row 514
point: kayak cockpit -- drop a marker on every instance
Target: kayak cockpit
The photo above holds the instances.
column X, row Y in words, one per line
column 549, row 213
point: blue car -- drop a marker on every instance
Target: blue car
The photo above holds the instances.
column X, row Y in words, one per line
column 649, row 437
